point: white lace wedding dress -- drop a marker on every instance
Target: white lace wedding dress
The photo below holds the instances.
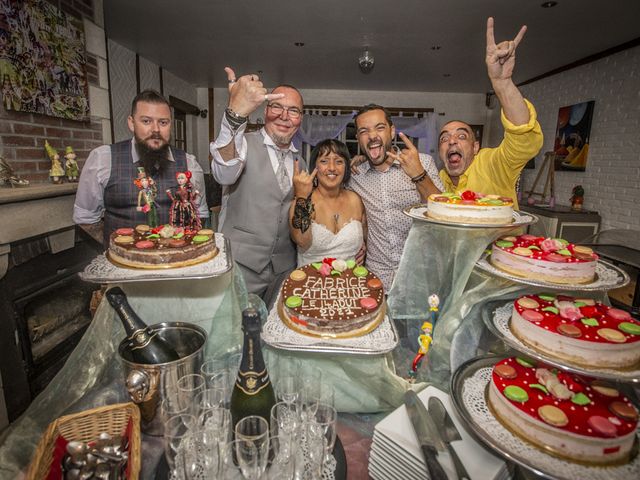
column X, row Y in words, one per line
column 344, row 244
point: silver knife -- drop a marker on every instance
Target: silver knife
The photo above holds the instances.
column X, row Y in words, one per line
column 427, row 434
column 444, row 424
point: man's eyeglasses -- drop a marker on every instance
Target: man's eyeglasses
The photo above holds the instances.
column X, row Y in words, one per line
column 277, row 109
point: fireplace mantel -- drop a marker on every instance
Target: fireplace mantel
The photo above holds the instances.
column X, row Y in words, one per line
column 36, row 210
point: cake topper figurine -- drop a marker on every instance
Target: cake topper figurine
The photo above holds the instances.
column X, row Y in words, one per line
column 147, row 197
column 183, row 212
column 56, row 172
column 71, row 165
column 425, row 339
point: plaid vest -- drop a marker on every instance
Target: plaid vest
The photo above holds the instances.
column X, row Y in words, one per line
column 121, row 194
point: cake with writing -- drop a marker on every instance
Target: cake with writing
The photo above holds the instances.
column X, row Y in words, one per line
column 570, row 416
column 551, row 260
column 470, row 207
column 162, row 247
column 581, row 330
column 333, row 298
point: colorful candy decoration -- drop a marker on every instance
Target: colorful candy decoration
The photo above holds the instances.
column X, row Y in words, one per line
column 426, row 338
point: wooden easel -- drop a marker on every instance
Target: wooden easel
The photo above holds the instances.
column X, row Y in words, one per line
column 549, row 185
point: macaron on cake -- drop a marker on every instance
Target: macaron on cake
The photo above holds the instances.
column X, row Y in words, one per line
column 581, row 330
column 569, row 416
column 470, row 207
column 334, row 298
column 552, row 260
column 165, row 246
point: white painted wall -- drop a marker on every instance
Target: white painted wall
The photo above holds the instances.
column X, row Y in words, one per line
column 612, row 177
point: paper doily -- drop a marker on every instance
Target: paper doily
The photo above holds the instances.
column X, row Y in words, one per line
column 101, row 270
column 607, row 277
column 500, row 327
column 381, row 340
column 492, row 432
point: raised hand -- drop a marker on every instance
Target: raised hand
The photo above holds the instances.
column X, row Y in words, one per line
column 247, row 93
column 501, row 58
column 408, row 158
column 356, row 161
column 302, row 181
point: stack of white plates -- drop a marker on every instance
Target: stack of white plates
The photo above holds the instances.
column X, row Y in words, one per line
column 396, row 453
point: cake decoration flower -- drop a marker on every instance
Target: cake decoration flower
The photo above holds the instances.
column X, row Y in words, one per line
column 339, row 265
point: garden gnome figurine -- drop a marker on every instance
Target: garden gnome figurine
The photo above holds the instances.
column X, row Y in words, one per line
column 56, row 172
column 71, row 165
column 577, row 197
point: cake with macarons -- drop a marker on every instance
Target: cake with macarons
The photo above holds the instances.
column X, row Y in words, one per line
column 569, row 416
column 334, row 298
column 553, row 260
column 470, row 207
column 581, row 330
column 165, row 246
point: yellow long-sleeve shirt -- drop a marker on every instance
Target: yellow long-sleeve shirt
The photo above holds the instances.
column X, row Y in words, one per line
column 496, row 170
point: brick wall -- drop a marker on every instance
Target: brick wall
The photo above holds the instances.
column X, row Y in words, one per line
column 22, row 135
column 612, row 177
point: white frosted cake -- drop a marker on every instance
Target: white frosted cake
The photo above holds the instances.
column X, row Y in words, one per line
column 551, row 260
column 470, row 207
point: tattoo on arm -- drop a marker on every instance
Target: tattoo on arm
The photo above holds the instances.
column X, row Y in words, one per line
column 302, row 214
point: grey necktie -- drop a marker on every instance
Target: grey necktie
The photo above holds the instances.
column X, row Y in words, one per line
column 281, row 173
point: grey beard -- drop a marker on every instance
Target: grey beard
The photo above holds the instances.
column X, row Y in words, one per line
column 281, row 140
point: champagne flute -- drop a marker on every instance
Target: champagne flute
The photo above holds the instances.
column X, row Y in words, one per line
column 176, row 434
column 282, row 453
column 322, row 424
column 285, row 419
column 189, row 386
column 253, row 450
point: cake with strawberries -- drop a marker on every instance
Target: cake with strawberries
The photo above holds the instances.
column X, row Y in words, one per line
column 470, row 207
column 551, row 260
column 581, row 330
column 334, row 298
column 567, row 415
column 162, row 247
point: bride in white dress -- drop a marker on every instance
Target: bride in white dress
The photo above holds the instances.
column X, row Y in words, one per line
column 328, row 220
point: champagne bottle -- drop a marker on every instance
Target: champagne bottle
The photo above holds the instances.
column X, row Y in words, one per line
column 252, row 393
column 144, row 343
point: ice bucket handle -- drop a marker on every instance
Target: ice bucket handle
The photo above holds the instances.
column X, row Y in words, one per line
column 138, row 385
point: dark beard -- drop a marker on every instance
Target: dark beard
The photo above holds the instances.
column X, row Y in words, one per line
column 153, row 161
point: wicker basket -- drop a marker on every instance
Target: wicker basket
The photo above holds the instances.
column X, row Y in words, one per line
column 86, row 426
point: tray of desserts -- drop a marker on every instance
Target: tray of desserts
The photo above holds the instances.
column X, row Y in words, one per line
column 500, row 324
column 380, row 339
column 103, row 270
column 607, row 277
column 520, row 219
column 470, row 391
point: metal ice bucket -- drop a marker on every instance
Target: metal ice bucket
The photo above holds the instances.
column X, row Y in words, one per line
column 150, row 385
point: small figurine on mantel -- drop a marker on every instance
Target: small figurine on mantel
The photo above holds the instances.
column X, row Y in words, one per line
column 577, row 197
column 56, row 173
column 147, row 197
column 8, row 176
column 71, row 165
column 425, row 339
column 184, row 212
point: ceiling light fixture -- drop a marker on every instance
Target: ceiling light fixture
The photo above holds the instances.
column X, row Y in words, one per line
column 548, row 4
column 366, row 61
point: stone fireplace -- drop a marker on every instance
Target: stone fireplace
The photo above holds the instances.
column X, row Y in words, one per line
column 44, row 305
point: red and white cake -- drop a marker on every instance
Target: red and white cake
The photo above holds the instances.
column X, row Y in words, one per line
column 569, row 416
column 333, row 298
column 551, row 260
column 162, row 247
column 470, row 207
column 581, row 330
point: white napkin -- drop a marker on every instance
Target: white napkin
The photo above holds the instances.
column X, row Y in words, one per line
column 396, row 429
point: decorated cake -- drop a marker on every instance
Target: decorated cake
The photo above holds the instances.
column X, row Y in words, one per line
column 551, row 260
column 577, row 329
column 161, row 247
column 572, row 417
column 470, row 207
column 333, row 298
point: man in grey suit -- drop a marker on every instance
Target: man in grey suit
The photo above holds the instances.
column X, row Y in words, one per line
column 255, row 170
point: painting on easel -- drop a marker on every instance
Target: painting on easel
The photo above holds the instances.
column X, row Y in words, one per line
column 571, row 147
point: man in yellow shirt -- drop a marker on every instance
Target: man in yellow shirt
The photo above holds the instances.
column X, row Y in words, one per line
column 493, row 170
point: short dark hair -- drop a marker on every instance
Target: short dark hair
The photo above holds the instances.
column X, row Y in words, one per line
column 148, row 96
column 373, row 106
column 336, row 146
